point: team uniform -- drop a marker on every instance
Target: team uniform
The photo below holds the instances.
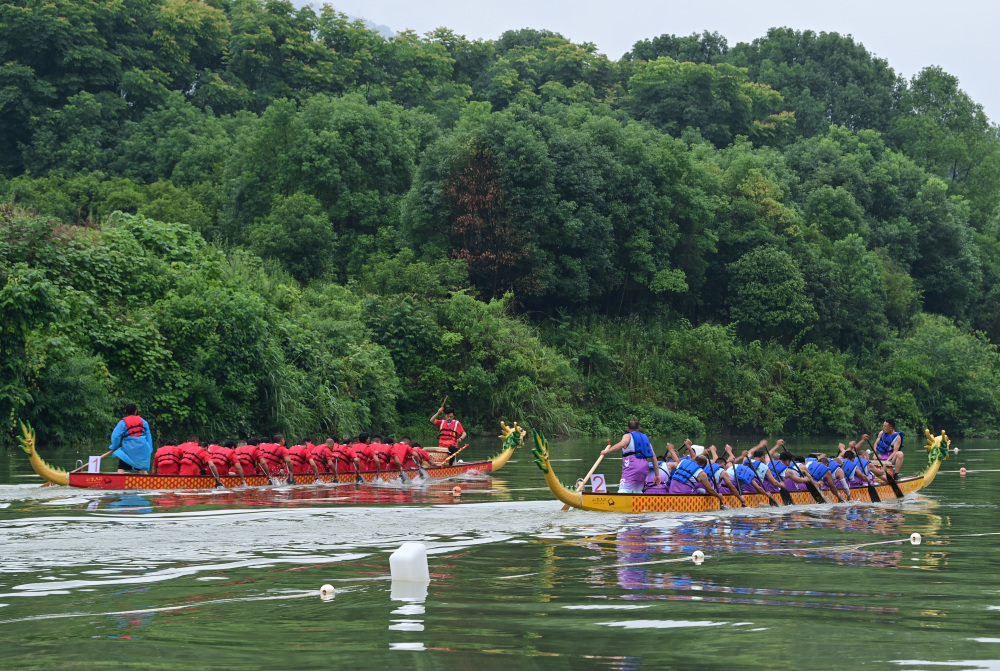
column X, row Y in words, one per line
column 635, row 463
column 323, row 456
column 300, row 456
column 195, row 459
column 684, row 479
column 224, row 458
column 274, row 456
column 449, row 433
column 249, row 457
column 132, row 443
column 168, row 460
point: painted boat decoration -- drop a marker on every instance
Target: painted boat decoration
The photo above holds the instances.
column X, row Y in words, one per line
column 937, row 446
column 513, row 439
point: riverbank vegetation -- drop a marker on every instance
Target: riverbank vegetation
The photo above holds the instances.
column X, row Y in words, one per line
column 248, row 217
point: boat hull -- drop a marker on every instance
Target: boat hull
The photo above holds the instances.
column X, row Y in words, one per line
column 696, row 503
column 161, row 482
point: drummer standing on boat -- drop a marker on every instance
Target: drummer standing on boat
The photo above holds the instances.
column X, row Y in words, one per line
column 450, row 429
column 637, row 459
column 132, row 442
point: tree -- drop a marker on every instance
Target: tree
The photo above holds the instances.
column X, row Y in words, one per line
column 949, row 135
column 719, row 101
column 768, row 296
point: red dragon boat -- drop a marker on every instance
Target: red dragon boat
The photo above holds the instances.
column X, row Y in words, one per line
column 513, row 439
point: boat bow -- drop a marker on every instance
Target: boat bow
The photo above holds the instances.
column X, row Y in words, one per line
column 564, row 494
column 513, row 438
column 56, row 476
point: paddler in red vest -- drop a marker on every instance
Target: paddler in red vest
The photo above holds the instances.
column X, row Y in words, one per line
column 377, row 454
column 196, row 459
column 347, row 457
column 274, row 456
column 451, row 431
column 131, row 442
column 302, row 460
column 226, row 460
column 249, row 455
column 167, row 460
column 323, row 455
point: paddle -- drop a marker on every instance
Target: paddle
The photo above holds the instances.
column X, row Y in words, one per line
column 757, row 478
column 889, row 477
column 810, row 485
column 786, row 497
column 454, row 454
column 583, row 483
column 872, row 491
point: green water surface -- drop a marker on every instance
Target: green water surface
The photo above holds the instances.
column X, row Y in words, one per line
column 230, row 580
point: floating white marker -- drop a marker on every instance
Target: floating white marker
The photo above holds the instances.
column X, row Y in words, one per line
column 914, row 538
column 697, row 556
column 409, row 563
column 327, row 591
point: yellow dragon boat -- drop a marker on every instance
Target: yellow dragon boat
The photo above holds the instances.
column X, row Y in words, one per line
column 937, row 447
column 513, row 438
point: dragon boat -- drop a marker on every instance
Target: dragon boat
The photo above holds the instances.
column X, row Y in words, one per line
column 937, row 447
column 513, row 438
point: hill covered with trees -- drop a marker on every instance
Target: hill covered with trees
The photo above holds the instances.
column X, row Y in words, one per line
column 249, row 217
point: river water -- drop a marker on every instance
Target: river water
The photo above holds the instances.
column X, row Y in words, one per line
column 230, row 579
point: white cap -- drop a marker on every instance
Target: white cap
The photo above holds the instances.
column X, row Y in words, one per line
column 698, row 449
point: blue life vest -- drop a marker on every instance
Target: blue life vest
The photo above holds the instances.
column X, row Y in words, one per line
column 778, row 469
column 759, row 468
column 864, row 465
column 687, row 470
column 640, row 447
column 744, row 476
column 713, row 471
column 817, row 469
column 884, row 445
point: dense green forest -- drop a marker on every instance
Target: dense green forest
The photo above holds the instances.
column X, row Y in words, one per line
column 248, row 217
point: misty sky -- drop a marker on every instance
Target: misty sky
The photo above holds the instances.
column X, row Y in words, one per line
column 959, row 35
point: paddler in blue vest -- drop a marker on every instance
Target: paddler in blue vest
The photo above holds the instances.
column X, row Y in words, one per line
column 691, row 474
column 131, row 442
column 638, row 459
column 889, row 445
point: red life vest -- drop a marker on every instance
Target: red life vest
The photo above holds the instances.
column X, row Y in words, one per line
column 274, row 454
column 168, row 460
column 248, row 456
column 300, row 455
column 133, row 426
column 449, row 433
column 224, row 457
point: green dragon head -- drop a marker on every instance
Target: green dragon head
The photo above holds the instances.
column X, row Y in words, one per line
column 938, row 447
column 513, row 436
column 541, row 452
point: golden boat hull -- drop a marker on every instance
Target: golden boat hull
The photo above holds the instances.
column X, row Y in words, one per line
column 696, row 503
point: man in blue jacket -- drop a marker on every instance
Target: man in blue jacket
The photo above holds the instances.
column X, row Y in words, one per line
column 132, row 442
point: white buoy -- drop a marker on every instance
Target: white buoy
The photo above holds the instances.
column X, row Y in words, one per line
column 409, row 563
column 956, row 450
column 698, row 556
column 327, row 591
column 914, row 538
